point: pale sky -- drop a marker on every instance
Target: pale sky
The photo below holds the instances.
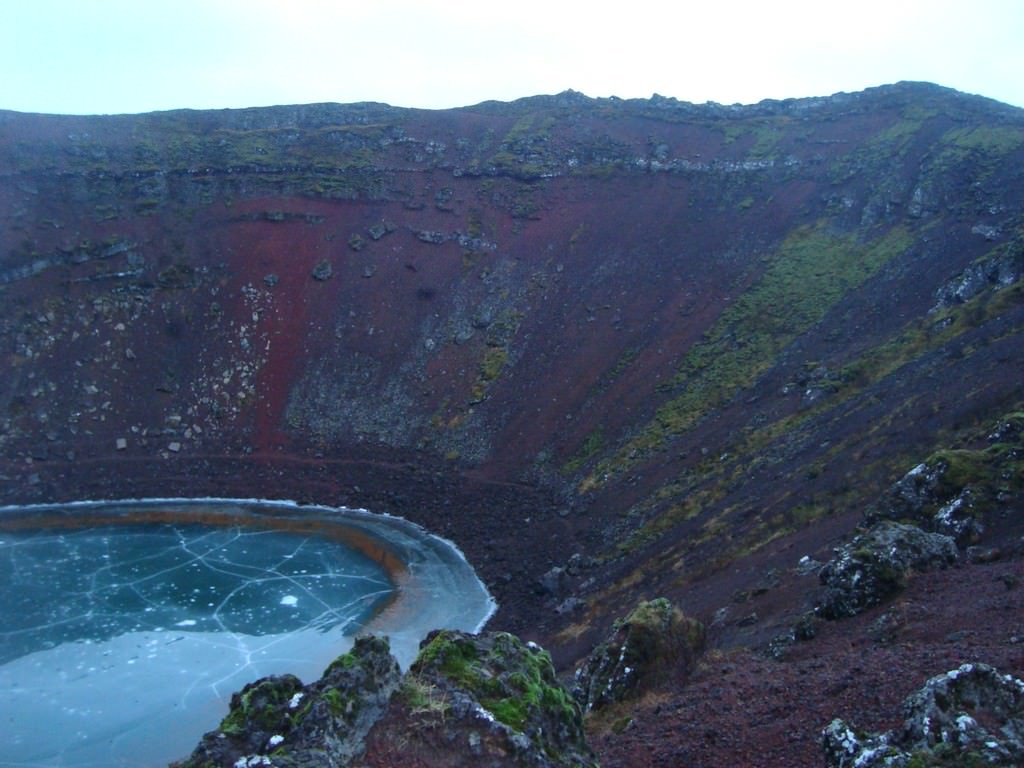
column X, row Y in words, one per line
column 114, row 56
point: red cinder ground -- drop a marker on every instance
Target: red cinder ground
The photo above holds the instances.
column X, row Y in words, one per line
column 743, row 708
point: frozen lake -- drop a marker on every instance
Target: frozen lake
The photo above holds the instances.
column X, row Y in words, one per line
column 126, row 626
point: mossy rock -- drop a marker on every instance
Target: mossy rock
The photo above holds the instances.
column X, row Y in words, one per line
column 323, row 723
column 259, row 706
column 653, row 635
column 876, row 565
column 970, row 716
column 504, row 692
column 955, row 491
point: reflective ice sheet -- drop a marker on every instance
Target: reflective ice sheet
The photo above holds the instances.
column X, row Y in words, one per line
column 98, row 583
column 160, row 623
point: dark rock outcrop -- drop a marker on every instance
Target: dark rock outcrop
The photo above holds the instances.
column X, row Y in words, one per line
column 278, row 721
column 970, row 716
column 488, row 699
column 323, row 271
column 999, row 270
column 483, row 700
column 876, row 564
column 955, row 491
column 653, row 634
column 924, row 495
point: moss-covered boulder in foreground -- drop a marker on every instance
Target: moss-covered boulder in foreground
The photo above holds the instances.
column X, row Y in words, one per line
column 278, row 721
column 485, row 700
column 654, row 634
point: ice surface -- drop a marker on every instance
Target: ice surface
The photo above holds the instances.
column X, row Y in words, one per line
column 121, row 642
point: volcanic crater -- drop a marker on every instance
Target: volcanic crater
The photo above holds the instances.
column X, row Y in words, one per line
column 663, row 349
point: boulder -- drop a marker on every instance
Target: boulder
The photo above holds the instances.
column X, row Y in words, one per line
column 969, row 716
column 958, row 517
column 909, row 496
column 959, row 491
column 1009, row 430
column 876, row 565
column 934, row 496
column 653, row 635
column 553, row 582
column 380, row 229
column 482, row 700
column 431, row 236
column 999, row 269
column 321, row 724
column 846, row 748
column 323, row 271
column 485, row 700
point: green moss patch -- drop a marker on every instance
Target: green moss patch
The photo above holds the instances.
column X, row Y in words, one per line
column 811, row 272
column 259, row 705
column 513, row 681
column 592, row 445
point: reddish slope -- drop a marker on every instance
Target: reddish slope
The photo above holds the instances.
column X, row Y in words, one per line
column 689, row 343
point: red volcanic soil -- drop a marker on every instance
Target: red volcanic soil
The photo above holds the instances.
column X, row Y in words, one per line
column 742, row 707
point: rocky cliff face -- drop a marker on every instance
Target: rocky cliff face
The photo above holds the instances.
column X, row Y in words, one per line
column 662, row 348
